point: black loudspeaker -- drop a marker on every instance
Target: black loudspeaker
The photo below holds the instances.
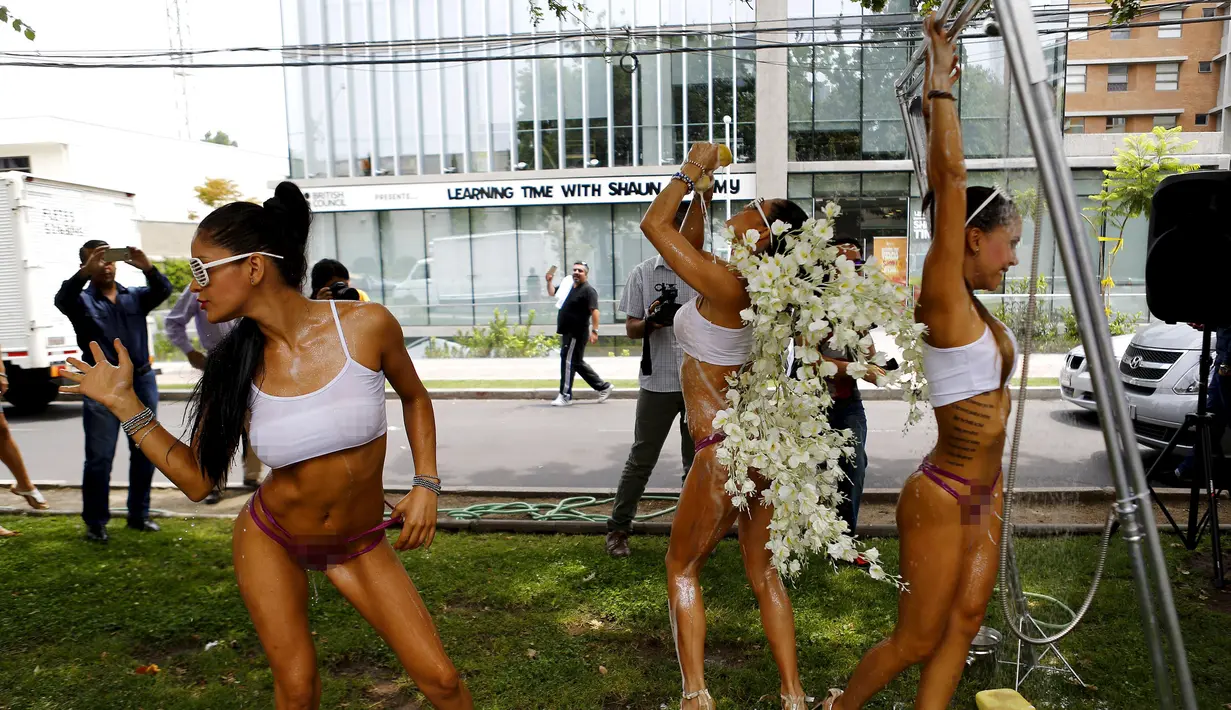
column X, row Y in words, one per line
column 1188, row 257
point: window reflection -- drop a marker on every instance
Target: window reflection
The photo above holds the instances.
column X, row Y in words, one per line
column 540, row 239
column 359, row 251
column 449, row 290
column 587, row 237
column 404, row 259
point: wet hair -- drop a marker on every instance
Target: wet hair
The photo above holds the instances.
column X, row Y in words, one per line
column 219, row 405
column 84, row 252
column 785, row 211
column 324, row 273
column 1000, row 212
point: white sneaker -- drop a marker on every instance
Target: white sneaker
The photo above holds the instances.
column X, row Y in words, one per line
column 604, row 395
column 561, row 401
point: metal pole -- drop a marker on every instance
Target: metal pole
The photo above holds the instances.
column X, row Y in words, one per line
column 942, row 16
column 1025, row 57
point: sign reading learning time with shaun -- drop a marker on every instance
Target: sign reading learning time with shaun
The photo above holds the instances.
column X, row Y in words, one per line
column 572, row 191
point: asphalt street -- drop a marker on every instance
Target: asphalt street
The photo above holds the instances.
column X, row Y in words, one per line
column 528, row 443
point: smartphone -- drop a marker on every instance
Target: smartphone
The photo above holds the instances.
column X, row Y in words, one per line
column 117, row 254
column 551, row 272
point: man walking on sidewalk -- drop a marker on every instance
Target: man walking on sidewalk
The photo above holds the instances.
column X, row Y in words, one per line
column 187, row 307
column 577, row 324
column 652, row 295
column 103, row 311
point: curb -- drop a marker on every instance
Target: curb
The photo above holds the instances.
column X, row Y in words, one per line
column 869, row 395
column 1022, row 496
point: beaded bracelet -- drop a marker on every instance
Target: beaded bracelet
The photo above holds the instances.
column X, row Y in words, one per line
column 699, row 165
column 682, row 177
column 135, row 424
column 422, row 482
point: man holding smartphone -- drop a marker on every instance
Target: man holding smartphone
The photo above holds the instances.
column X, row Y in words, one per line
column 102, row 311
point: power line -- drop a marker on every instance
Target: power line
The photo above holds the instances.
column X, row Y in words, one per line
column 465, row 57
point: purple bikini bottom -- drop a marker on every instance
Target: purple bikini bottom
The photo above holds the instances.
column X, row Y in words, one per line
column 318, row 556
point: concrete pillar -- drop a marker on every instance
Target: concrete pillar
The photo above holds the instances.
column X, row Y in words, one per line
column 771, row 100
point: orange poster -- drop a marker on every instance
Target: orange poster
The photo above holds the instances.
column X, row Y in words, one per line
column 891, row 253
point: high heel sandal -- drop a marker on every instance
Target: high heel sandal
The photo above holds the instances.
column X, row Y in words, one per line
column 32, row 496
column 796, row 702
column 703, row 695
column 828, row 702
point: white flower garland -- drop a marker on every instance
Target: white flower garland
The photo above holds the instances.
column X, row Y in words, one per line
column 778, row 425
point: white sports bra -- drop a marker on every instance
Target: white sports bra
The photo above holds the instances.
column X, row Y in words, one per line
column 347, row 412
column 706, row 342
column 954, row 374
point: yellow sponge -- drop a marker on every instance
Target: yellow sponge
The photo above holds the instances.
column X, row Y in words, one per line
column 1001, row 699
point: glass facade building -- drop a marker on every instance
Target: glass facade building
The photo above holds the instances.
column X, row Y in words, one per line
column 453, row 151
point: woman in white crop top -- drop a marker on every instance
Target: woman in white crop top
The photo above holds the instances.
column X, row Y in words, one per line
column 304, row 380
column 716, row 343
column 948, row 510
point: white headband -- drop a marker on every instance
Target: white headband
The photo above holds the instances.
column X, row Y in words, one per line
column 988, row 201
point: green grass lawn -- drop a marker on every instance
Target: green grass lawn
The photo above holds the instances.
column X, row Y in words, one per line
column 531, row 621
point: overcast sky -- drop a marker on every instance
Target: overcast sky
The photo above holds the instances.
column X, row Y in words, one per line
column 246, row 103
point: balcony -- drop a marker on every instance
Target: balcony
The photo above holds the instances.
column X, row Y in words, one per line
column 1099, row 145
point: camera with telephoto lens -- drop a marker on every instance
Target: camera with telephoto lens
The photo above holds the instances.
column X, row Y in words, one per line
column 341, row 291
column 661, row 313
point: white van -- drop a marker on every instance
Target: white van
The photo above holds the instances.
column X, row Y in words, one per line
column 43, row 224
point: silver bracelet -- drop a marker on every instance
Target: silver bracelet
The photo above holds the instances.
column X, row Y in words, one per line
column 147, row 433
column 421, row 482
column 135, row 424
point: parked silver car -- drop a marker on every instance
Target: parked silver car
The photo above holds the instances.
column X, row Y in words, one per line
column 1160, row 371
column 1075, row 387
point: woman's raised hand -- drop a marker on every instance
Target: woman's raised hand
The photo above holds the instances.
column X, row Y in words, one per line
column 103, row 382
column 942, row 69
column 705, row 154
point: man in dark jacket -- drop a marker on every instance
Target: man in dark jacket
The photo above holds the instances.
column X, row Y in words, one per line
column 102, row 311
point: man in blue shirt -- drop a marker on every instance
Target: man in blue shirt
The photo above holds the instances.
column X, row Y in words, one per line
column 101, row 311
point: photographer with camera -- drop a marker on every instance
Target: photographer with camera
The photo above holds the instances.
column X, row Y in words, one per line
column 652, row 295
column 331, row 281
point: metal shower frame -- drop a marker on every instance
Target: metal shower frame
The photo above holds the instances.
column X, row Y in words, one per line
column 1024, row 54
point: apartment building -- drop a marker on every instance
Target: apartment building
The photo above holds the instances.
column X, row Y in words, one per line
column 1130, row 79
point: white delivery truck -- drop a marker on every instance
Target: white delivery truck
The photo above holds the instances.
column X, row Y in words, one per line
column 43, row 224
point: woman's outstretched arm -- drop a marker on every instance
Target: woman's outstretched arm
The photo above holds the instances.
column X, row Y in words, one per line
column 112, row 386
column 944, row 296
column 710, row 279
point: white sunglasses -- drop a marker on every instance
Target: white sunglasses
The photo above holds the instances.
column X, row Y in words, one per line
column 200, row 269
column 756, row 202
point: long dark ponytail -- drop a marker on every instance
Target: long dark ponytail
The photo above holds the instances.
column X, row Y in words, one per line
column 219, row 406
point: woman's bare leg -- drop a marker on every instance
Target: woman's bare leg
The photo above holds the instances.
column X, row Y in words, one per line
column 777, row 615
column 704, row 516
column 980, row 565
column 378, row 586
column 275, row 590
column 10, row 455
column 931, row 534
